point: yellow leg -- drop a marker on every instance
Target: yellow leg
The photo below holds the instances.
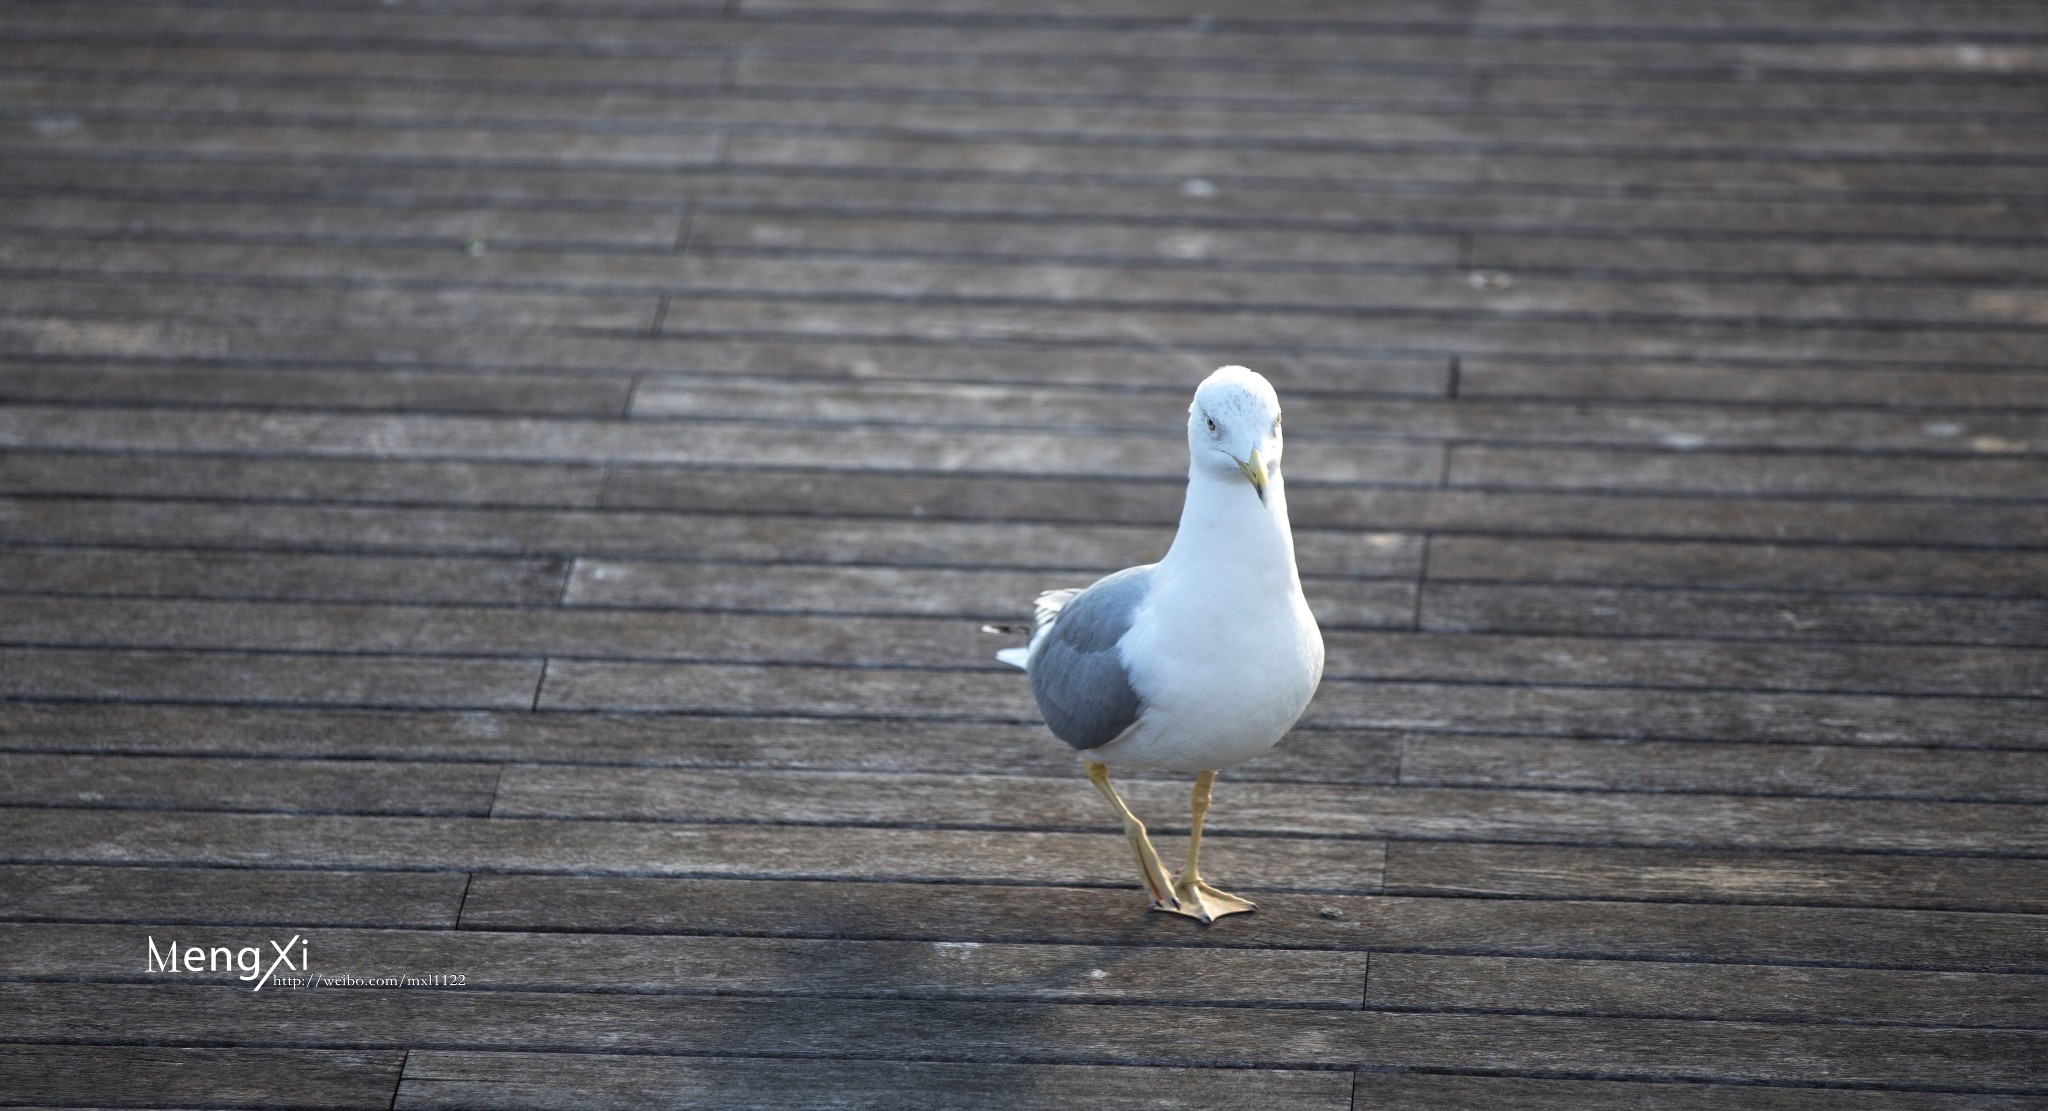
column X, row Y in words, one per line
column 1195, row 898
column 1156, row 881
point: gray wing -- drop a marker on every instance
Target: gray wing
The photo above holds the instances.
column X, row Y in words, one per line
column 1076, row 675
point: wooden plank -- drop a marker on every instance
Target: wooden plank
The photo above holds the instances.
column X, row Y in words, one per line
column 337, row 137
column 414, row 391
column 444, row 1081
column 1680, row 714
column 1777, row 474
column 1214, row 236
column 1483, row 761
column 1437, row 924
column 248, row 306
column 1527, row 871
column 455, row 226
column 1012, row 498
column 1304, row 204
column 137, row 1076
column 350, row 480
column 1620, row 611
column 1406, row 981
column 502, row 961
column 296, row 786
column 719, row 443
column 1674, row 713
column 1819, row 98
column 1816, row 19
column 625, row 112
column 599, row 32
column 1099, row 549
column 1220, row 328
column 1586, row 17
column 1329, row 414
column 168, row 572
column 1392, row 368
column 1362, row 440
column 418, row 631
column 1314, row 506
column 822, row 588
column 1297, row 809
column 232, row 896
column 1675, row 662
column 1311, row 86
column 529, row 68
column 1742, row 566
column 1514, row 252
column 498, row 844
column 823, row 744
column 1396, row 1091
column 1972, row 1059
column 397, row 348
column 953, row 640
column 1710, row 186
column 1437, row 290
column 1677, row 381
column 261, row 677
column 994, row 239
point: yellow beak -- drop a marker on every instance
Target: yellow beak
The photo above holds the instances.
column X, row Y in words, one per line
column 1255, row 471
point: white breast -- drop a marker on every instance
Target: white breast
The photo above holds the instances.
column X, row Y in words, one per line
column 1226, row 655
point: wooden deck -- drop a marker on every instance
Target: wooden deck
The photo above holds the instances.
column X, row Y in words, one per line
column 509, row 491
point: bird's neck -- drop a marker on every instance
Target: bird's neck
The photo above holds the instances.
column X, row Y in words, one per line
column 1227, row 535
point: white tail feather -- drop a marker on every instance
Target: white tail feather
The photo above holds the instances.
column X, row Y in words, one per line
column 1044, row 612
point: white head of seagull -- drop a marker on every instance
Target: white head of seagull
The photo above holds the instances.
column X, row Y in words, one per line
column 1198, row 662
column 1234, row 427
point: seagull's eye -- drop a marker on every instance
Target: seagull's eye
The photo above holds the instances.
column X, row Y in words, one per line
column 1212, row 424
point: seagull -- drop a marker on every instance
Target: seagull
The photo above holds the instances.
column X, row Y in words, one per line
column 1200, row 661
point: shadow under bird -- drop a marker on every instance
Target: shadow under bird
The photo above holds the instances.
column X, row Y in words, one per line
column 1202, row 660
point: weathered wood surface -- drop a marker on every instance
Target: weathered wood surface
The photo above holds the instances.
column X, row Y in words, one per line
column 513, row 492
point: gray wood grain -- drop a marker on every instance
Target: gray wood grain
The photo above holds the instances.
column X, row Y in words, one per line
column 447, row 1081
column 1403, row 981
column 1902, row 570
column 1210, row 123
column 1672, row 713
column 1368, row 440
column 232, row 897
column 1097, row 548
column 1991, row 1060
column 137, row 1076
column 107, row 837
column 605, row 24
column 171, row 572
column 1941, row 940
column 251, row 677
column 1271, row 808
column 301, row 786
column 1819, row 879
column 1392, row 1091
column 1683, row 381
column 904, row 590
column 783, row 743
column 502, row 961
column 186, row 384
column 1799, row 769
column 1132, row 283
column 1766, row 615
column 353, row 480
column 453, row 226
column 955, row 640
